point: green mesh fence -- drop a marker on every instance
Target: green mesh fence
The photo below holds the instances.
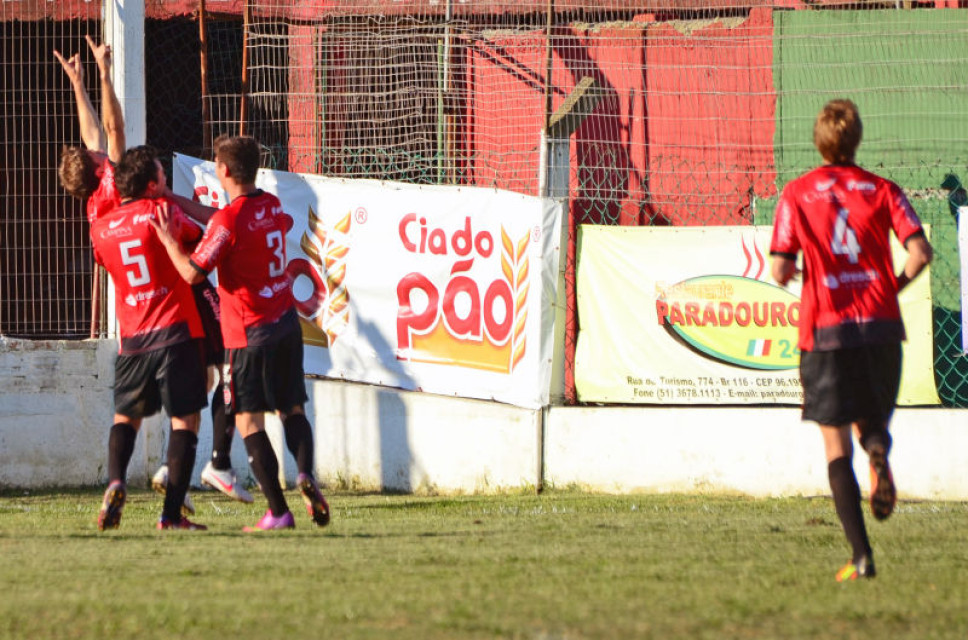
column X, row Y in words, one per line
column 704, row 110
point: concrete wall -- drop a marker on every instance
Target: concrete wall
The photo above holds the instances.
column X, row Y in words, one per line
column 56, row 409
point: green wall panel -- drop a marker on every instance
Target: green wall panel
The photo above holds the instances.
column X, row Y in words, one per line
column 905, row 69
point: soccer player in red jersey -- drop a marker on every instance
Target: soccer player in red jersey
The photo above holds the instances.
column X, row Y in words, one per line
column 88, row 174
column 840, row 217
column 160, row 362
column 246, row 241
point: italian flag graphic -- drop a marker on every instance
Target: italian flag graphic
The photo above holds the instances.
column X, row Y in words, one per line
column 758, row 347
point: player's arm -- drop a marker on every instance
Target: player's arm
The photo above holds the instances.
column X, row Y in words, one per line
column 909, row 230
column 112, row 115
column 784, row 245
column 783, row 268
column 166, row 226
column 111, row 112
column 195, row 210
column 90, row 128
column 920, row 255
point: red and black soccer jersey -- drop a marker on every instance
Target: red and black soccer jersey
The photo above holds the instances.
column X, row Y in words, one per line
column 106, row 197
column 154, row 304
column 247, row 242
column 841, row 218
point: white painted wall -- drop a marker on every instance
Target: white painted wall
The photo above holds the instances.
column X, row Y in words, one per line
column 374, row 437
column 56, row 410
column 754, row 451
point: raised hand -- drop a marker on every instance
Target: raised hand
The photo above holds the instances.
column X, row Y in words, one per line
column 162, row 222
column 102, row 54
column 72, row 67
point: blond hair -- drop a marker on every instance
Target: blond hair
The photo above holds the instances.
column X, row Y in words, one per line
column 837, row 131
column 78, row 172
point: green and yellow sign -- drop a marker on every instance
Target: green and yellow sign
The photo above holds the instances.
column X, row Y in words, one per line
column 689, row 315
column 734, row 320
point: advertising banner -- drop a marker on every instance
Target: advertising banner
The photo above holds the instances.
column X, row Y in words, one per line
column 690, row 315
column 448, row 290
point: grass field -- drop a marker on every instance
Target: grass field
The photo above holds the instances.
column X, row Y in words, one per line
column 560, row 565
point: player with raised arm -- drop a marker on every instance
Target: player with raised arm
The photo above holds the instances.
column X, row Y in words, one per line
column 160, row 361
column 88, row 174
column 246, row 241
column 840, row 217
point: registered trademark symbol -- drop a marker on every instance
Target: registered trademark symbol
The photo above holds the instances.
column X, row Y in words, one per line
column 360, row 215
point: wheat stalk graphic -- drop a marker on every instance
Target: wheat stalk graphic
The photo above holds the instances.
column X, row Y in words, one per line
column 328, row 249
column 515, row 266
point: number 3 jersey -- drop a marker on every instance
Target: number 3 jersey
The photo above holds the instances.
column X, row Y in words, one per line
column 154, row 304
column 246, row 241
column 841, row 217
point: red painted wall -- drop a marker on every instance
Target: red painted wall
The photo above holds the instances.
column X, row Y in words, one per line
column 304, row 124
column 686, row 118
column 609, row 160
column 505, row 111
column 710, row 110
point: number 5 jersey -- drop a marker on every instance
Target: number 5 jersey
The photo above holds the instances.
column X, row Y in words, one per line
column 154, row 305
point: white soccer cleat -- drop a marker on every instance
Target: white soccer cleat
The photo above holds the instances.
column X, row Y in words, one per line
column 226, row 482
column 159, row 482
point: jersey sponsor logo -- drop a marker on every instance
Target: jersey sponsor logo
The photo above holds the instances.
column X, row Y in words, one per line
column 212, row 247
column 118, row 232
column 134, row 299
column 810, row 197
column 821, row 192
column 114, row 224
column 261, row 223
column 858, row 185
column 268, row 291
column 260, row 214
column 909, row 213
column 732, row 319
column 852, row 279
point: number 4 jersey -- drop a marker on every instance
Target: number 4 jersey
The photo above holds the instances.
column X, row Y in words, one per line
column 246, row 241
column 841, row 218
column 154, row 304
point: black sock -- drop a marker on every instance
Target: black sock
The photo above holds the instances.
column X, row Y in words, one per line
column 881, row 436
column 181, row 460
column 223, row 428
column 299, row 440
column 120, row 447
column 843, row 484
column 265, row 468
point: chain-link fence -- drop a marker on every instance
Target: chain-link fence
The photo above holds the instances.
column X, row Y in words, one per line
column 703, row 108
column 46, row 270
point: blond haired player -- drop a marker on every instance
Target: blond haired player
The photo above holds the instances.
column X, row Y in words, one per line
column 88, row 174
column 840, row 217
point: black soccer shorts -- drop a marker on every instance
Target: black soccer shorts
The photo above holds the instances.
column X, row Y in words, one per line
column 207, row 301
column 846, row 385
column 267, row 377
column 172, row 377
